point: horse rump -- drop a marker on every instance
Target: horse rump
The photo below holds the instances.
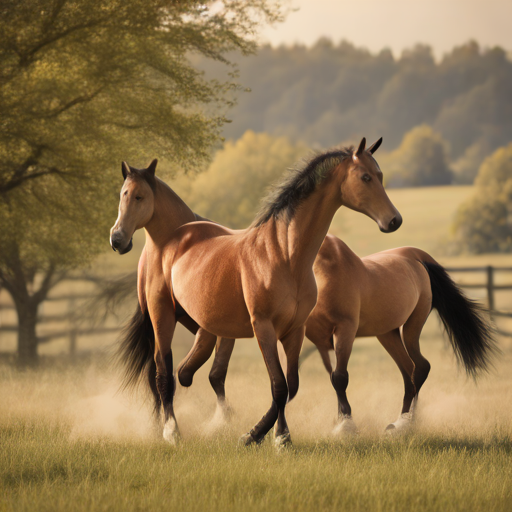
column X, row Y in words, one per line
column 471, row 334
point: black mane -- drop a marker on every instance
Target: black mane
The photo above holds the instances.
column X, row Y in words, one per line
column 299, row 183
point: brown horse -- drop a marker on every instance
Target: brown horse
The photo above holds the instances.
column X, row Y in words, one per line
column 257, row 281
column 381, row 295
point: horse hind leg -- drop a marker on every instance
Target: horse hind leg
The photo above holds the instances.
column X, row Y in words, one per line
column 411, row 335
column 223, row 351
column 344, row 336
column 394, row 346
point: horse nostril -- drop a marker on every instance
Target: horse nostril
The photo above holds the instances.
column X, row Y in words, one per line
column 395, row 223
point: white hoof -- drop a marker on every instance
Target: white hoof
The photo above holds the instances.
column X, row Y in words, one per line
column 171, row 432
column 346, row 427
column 283, row 441
column 402, row 424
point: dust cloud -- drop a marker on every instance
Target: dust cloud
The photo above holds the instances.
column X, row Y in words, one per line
column 86, row 398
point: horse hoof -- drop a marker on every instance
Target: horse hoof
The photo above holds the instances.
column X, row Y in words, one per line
column 247, row 440
column 346, row 427
column 401, row 425
column 283, row 441
column 171, row 433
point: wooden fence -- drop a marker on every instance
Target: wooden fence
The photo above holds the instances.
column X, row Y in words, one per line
column 74, row 326
column 490, row 286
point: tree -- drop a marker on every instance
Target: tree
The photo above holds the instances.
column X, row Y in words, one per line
column 484, row 223
column 421, row 159
column 231, row 189
column 84, row 85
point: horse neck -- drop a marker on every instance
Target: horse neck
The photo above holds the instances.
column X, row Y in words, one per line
column 170, row 212
column 306, row 231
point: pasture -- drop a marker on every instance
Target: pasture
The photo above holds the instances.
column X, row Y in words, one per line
column 71, row 441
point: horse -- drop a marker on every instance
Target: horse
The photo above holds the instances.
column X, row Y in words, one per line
column 389, row 295
column 253, row 282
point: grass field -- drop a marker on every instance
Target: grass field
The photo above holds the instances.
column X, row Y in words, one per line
column 70, row 441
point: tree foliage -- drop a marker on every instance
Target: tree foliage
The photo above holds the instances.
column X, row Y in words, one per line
column 84, row 85
column 230, row 190
column 420, row 160
column 484, row 223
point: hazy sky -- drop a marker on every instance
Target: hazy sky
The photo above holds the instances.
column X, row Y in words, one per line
column 398, row 24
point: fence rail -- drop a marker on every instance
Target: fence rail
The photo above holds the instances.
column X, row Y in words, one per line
column 488, row 285
column 73, row 330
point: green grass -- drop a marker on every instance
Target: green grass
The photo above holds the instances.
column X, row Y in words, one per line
column 41, row 469
column 69, row 441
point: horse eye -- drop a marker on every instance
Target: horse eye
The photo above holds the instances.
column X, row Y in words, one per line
column 366, row 177
column 138, row 198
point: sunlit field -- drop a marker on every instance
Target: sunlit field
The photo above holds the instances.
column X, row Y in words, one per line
column 71, row 441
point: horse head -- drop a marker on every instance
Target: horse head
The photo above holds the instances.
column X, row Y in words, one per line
column 136, row 205
column 364, row 192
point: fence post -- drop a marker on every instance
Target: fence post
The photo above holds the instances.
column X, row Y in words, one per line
column 490, row 288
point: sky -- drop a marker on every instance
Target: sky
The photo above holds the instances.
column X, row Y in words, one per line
column 397, row 24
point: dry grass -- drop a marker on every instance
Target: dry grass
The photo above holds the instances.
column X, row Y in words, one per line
column 71, row 442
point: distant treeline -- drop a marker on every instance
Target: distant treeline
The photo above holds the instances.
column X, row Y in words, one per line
column 327, row 94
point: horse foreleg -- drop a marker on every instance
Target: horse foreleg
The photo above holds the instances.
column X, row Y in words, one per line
column 292, row 345
column 223, row 351
column 344, row 335
column 392, row 342
column 164, row 323
column 198, row 355
column 267, row 340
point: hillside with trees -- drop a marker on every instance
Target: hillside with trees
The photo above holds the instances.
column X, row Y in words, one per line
column 332, row 93
column 484, row 222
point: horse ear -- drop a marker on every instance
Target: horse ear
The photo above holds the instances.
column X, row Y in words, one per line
column 125, row 169
column 360, row 150
column 152, row 167
column 375, row 146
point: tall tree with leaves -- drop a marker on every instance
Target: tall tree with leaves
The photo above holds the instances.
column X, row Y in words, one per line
column 84, row 85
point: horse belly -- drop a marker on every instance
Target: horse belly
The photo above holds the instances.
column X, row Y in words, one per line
column 212, row 295
column 386, row 312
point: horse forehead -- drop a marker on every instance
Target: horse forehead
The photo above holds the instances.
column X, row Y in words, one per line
column 132, row 184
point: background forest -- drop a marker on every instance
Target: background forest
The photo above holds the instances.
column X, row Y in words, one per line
column 331, row 93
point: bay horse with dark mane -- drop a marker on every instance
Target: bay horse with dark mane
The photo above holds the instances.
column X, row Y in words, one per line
column 254, row 282
column 389, row 295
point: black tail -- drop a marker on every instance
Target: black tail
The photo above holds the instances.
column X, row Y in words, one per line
column 136, row 354
column 471, row 335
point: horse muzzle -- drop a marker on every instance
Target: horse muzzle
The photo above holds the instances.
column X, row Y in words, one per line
column 393, row 224
column 117, row 242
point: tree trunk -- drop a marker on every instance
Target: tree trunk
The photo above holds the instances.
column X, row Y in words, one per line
column 27, row 338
